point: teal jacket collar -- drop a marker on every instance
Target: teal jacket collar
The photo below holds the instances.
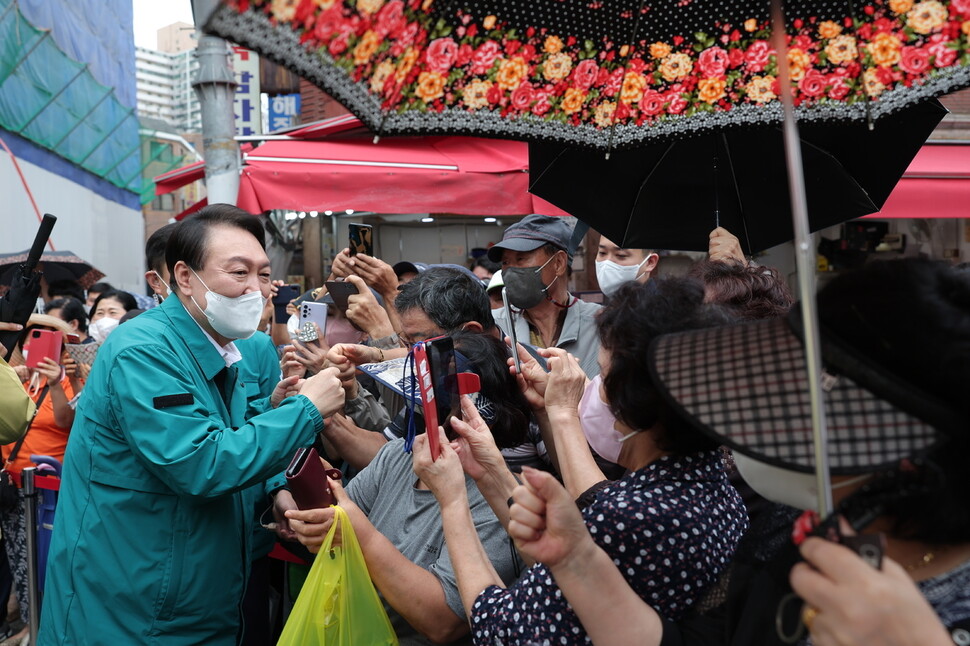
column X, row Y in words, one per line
column 202, row 350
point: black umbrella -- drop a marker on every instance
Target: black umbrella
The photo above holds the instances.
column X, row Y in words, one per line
column 56, row 265
column 20, row 298
column 670, row 196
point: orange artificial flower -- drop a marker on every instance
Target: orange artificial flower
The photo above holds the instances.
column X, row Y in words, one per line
column 431, row 86
column 573, row 100
column 900, row 6
column 829, row 29
column 675, row 67
column 885, row 49
column 659, row 50
column 367, row 47
column 511, row 72
column 711, row 90
column 553, row 45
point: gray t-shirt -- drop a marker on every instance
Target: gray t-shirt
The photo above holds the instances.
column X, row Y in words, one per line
column 411, row 519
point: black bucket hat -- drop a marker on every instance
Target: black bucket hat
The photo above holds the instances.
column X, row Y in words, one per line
column 747, row 386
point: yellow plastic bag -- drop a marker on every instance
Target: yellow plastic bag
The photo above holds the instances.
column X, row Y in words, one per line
column 338, row 605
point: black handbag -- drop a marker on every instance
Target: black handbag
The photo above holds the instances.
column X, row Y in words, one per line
column 9, row 497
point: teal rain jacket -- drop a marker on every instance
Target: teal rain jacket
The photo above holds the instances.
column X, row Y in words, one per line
column 153, row 527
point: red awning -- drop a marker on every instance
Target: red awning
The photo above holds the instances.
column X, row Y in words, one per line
column 936, row 185
column 460, row 175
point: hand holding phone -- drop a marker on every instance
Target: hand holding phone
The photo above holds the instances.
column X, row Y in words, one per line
column 340, row 291
column 43, row 344
column 437, row 374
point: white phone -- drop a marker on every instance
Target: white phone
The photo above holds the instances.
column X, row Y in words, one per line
column 311, row 312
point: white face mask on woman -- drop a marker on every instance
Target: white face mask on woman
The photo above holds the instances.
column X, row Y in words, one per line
column 233, row 318
column 611, row 275
column 792, row 488
column 100, row 329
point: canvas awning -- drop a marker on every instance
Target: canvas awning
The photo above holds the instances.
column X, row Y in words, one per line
column 936, row 185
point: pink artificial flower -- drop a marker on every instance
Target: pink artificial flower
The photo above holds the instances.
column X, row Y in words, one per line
column 441, row 55
column 713, row 62
column 484, row 57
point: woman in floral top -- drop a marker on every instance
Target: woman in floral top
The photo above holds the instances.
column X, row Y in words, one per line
column 670, row 526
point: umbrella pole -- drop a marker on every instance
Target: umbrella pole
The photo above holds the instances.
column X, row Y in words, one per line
column 806, row 264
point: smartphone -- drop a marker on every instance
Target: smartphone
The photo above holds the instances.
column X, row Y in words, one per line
column 340, row 291
column 361, row 239
column 72, row 338
column 284, row 295
column 41, row 344
column 311, row 312
column 512, row 338
column 444, row 376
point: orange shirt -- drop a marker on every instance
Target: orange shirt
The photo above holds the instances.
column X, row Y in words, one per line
column 44, row 436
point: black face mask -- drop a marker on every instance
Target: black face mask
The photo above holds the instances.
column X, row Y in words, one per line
column 524, row 285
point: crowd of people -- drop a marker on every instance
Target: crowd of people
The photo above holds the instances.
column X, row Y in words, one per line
column 629, row 472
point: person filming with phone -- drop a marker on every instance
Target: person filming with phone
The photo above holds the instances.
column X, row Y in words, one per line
column 165, row 441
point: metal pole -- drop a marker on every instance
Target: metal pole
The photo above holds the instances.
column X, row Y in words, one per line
column 805, row 262
column 30, row 529
column 216, row 86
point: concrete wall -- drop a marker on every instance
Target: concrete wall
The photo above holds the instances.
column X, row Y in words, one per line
column 108, row 235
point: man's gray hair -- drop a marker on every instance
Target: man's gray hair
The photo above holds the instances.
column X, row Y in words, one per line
column 450, row 298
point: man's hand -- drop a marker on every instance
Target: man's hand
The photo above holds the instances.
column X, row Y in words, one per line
column 532, row 380
column 354, row 353
column 443, row 476
column 376, row 273
column 724, row 246
column 286, row 388
column 311, row 525
column 325, row 391
column 342, row 266
column 283, row 502
column 289, row 366
column 365, row 312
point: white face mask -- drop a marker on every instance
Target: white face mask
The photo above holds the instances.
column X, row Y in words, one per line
column 599, row 424
column 792, row 488
column 168, row 290
column 233, row 318
column 100, row 329
column 612, row 275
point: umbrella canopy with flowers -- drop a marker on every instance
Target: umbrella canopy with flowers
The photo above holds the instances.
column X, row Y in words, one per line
column 56, row 265
column 605, row 74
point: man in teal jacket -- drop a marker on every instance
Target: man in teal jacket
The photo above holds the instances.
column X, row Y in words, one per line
column 152, row 534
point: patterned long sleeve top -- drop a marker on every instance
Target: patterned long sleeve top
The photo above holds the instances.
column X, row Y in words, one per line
column 670, row 527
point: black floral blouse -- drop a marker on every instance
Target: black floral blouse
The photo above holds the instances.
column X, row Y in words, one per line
column 670, row 527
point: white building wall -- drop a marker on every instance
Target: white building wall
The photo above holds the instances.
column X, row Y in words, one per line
column 108, row 235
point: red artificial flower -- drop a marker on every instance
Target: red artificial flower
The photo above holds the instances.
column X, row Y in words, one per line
column 943, row 55
column 441, row 54
column 528, row 52
column 713, row 62
column 812, row 84
column 914, row 60
column 678, row 40
column 802, row 42
column 512, row 47
column 570, row 41
column 484, row 57
column 869, row 9
column 522, row 96
column 758, row 55
column 494, row 94
column 541, row 105
column 329, row 23
column 339, row 44
column 675, row 103
column 735, row 36
column 838, row 89
column 465, row 52
column 304, row 12
column 472, row 30
column 885, row 75
column 636, row 65
column 614, row 82
column 586, row 74
column 798, row 23
column 652, row 103
column 735, row 57
column 390, row 19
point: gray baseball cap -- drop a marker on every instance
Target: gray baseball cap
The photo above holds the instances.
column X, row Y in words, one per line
column 531, row 232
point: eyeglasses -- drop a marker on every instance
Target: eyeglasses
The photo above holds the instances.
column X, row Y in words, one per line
column 409, row 341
